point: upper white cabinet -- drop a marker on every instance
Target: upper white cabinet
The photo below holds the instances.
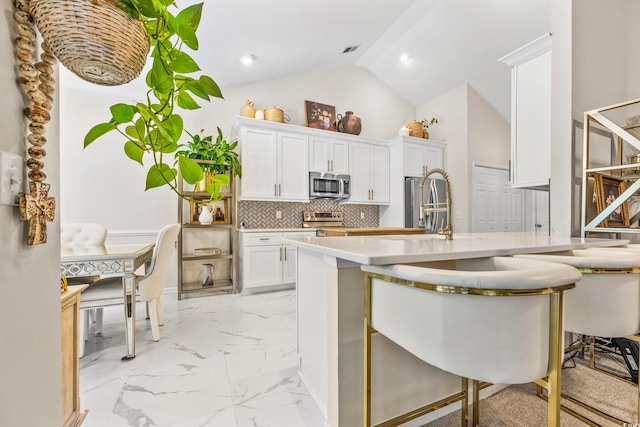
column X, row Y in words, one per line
column 420, row 156
column 274, row 165
column 531, row 113
column 369, row 170
column 328, row 154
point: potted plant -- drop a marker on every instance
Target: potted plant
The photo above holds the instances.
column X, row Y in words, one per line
column 153, row 127
column 425, row 125
column 218, row 160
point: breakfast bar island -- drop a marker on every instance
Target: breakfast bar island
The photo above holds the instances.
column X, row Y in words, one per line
column 330, row 310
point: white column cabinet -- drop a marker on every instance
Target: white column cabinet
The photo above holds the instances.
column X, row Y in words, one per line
column 409, row 157
column 531, row 113
column 369, row 170
column 267, row 263
column 328, row 155
column 274, row 165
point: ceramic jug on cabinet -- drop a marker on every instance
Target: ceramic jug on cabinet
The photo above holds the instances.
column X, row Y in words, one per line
column 349, row 123
column 247, row 110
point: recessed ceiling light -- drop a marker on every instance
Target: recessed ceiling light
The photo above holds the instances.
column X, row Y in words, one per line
column 404, row 57
column 248, row 59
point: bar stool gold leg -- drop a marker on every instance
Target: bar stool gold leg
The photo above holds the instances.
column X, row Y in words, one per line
column 476, row 404
column 465, row 402
column 555, row 359
column 367, row 353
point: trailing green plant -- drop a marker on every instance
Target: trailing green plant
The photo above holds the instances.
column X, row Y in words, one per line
column 153, row 126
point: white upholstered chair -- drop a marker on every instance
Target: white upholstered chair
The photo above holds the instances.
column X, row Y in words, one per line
column 108, row 291
column 606, row 302
column 494, row 320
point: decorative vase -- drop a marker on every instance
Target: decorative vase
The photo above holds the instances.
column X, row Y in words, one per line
column 349, row 123
column 205, row 216
column 207, row 270
column 425, row 134
column 207, row 179
column 247, row 110
column 404, row 131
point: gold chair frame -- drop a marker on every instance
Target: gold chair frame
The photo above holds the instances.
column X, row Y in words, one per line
column 590, row 343
column 551, row 383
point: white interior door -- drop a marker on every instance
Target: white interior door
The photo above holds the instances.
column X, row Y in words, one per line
column 496, row 206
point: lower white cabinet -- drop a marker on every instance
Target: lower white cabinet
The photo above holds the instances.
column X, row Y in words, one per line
column 266, row 261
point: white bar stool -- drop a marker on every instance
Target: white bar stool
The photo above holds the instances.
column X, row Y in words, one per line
column 469, row 317
column 605, row 303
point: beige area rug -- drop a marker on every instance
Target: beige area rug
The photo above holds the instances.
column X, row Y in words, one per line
column 518, row 405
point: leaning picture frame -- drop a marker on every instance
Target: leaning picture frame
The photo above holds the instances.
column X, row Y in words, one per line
column 195, row 209
column 220, row 211
column 608, row 190
column 320, row 116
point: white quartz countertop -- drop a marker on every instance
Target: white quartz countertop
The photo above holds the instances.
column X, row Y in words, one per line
column 395, row 249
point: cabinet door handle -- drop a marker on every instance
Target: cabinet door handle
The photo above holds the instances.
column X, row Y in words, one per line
column 372, row 194
column 285, row 254
column 264, row 238
column 279, row 190
column 275, row 190
column 280, row 254
column 331, row 161
column 329, row 165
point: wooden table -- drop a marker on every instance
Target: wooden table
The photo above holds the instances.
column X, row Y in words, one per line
column 124, row 260
column 369, row 231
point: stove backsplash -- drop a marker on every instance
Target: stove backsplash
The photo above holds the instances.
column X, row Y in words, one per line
column 263, row 214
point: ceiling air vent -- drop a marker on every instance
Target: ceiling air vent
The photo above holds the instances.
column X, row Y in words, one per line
column 350, row 48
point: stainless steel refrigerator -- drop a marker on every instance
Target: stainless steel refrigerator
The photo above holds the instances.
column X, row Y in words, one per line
column 433, row 193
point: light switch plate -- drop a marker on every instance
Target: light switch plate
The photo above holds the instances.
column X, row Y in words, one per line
column 11, row 177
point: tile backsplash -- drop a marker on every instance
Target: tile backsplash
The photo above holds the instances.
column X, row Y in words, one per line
column 263, row 214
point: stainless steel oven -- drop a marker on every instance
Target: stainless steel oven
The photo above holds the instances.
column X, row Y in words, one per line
column 321, row 219
column 329, row 186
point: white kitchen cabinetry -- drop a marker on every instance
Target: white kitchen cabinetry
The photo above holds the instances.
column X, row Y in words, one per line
column 369, row 170
column 420, row 156
column 531, row 113
column 274, row 165
column 409, row 157
column 266, row 262
column 328, row 155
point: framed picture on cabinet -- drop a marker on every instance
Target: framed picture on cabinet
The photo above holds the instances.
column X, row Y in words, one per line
column 320, row 116
column 607, row 190
column 220, row 211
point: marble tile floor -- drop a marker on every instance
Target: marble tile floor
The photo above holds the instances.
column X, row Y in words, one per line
column 223, row 361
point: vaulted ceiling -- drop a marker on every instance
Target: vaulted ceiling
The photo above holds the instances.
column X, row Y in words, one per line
column 449, row 42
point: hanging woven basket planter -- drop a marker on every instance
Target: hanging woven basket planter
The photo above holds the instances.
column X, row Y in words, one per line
column 94, row 39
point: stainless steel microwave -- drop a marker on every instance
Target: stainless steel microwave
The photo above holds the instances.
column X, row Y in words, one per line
column 329, row 186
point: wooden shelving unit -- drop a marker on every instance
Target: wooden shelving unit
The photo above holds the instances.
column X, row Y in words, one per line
column 195, row 235
column 620, row 170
